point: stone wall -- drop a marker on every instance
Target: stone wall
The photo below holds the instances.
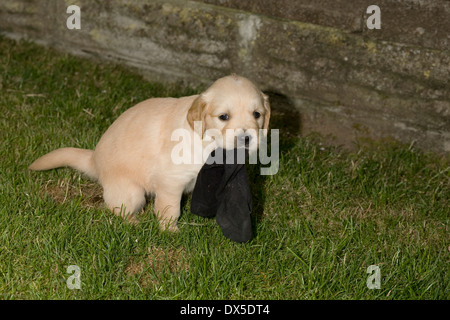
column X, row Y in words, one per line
column 343, row 78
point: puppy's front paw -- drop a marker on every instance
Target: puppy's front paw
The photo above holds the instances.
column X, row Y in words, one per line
column 171, row 226
column 132, row 219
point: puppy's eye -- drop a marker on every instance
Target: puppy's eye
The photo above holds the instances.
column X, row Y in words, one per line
column 224, row 117
column 256, row 114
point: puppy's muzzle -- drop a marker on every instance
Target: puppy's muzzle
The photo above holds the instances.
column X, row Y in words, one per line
column 244, row 140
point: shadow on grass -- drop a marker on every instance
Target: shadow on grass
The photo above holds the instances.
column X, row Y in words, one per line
column 286, row 119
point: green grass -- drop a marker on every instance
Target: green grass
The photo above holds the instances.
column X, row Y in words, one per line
column 324, row 218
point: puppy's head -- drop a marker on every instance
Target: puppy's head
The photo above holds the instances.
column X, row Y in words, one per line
column 232, row 111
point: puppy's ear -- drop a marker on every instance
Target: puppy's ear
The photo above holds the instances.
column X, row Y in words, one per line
column 197, row 112
column 267, row 107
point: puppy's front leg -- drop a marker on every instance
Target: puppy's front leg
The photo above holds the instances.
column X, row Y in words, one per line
column 167, row 208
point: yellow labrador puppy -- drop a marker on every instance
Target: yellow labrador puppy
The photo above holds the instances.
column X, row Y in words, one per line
column 134, row 157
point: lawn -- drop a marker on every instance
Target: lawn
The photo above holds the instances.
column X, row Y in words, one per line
column 319, row 223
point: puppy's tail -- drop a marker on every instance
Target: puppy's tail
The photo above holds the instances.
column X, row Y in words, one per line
column 79, row 159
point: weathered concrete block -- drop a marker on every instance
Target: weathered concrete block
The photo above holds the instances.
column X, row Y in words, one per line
column 421, row 23
column 339, row 75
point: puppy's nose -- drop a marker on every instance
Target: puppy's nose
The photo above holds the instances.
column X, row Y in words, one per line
column 244, row 139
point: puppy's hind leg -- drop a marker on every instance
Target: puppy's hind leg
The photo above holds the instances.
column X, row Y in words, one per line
column 124, row 198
